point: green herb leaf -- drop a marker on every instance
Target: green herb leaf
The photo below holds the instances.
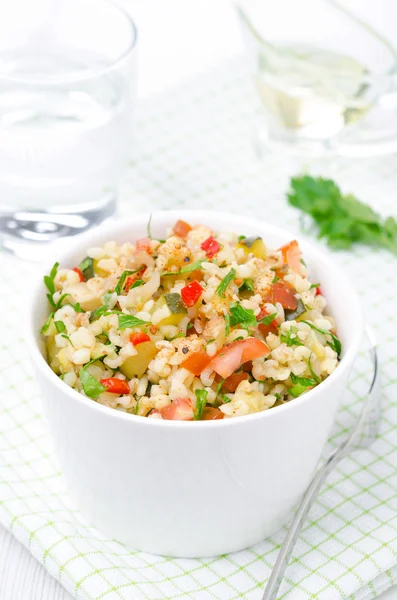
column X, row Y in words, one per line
column 126, row 321
column 137, row 283
column 275, row 279
column 225, row 399
column 60, row 326
column 335, row 343
column 268, row 319
column 87, row 268
column 248, row 285
column 201, row 401
column 227, row 324
column 221, row 289
column 313, row 374
column 47, row 323
column 136, row 407
column 66, row 337
column 194, row 266
column 290, row 337
column 61, row 299
column 92, row 388
column 342, row 219
column 314, row 285
column 49, row 280
column 244, row 317
column 301, row 385
column 77, row 308
column 120, row 284
column 241, row 238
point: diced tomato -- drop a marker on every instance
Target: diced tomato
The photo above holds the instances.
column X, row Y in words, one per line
column 292, row 256
column 318, row 291
column 191, row 293
column 211, row 414
column 181, row 228
column 79, row 273
column 144, row 244
column 210, row 246
column 266, row 329
column 231, row 383
column 179, row 410
column 247, row 366
column 116, row 386
column 231, row 357
column 131, row 279
column 284, row 293
column 139, row 337
column 196, row 362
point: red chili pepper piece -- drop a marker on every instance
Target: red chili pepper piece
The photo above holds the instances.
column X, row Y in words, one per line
column 210, row 246
column 191, row 293
column 79, row 273
column 116, row 386
column 318, row 292
column 139, row 337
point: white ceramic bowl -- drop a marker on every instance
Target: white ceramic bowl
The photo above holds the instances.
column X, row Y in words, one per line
column 193, row 488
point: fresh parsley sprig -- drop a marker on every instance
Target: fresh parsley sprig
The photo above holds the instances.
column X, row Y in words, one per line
column 201, row 401
column 222, row 287
column 342, row 219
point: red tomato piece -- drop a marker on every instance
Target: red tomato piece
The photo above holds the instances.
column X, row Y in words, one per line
column 196, row 362
column 144, row 244
column 211, row 414
column 191, row 293
column 318, row 292
column 181, row 228
column 210, row 246
column 231, row 383
column 284, row 293
column 179, row 410
column 131, row 279
column 292, row 256
column 266, row 329
column 79, row 273
column 231, row 357
column 116, row 386
column 139, row 337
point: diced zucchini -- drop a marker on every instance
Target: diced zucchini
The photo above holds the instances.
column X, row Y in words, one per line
column 175, row 304
column 255, row 245
column 291, row 315
column 135, row 366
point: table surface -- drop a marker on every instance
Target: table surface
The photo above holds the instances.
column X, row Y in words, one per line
column 168, row 53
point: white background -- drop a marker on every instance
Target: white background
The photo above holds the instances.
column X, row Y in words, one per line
column 177, row 38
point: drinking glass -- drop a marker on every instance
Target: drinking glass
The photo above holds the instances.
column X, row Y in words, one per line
column 67, row 75
column 326, row 77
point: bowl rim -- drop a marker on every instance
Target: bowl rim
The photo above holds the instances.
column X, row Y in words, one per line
column 110, row 229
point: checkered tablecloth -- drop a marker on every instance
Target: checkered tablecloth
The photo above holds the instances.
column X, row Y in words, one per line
column 193, row 148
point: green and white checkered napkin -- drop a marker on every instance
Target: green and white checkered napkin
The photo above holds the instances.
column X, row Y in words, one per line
column 193, row 149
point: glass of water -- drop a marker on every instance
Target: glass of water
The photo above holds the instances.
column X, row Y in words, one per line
column 326, row 76
column 67, row 75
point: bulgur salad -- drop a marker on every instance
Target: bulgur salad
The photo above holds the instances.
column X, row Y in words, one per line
column 197, row 326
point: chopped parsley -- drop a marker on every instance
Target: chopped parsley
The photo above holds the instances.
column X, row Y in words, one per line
column 241, row 238
column 49, row 283
column 313, row 374
column 60, row 326
column 244, row 317
column 201, row 401
column 137, row 283
column 314, row 285
column 225, row 399
column 335, row 343
column 98, row 312
column 227, row 324
column 194, row 266
column 290, row 337
column 247, row 285
column 47, row 323
column 221, row 289
column 136, row 407
column 268, row 320
column 301, row 385
column 91, row 386
column 87, row 267
column 129, row 321
column 275, row 279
